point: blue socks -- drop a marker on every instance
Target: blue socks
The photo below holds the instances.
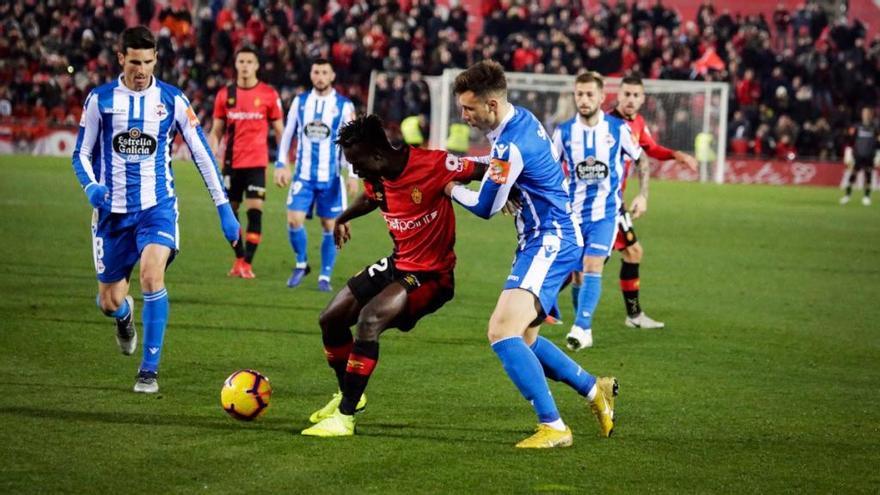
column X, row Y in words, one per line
column 588, row 299
column 328, row 254
column 298, row 240
column 155, row 318
column 525, row 372
column 575, row 291
column 561, row 368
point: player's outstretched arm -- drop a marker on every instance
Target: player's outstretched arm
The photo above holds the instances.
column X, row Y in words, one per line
column 494, row 189
column 191, row 130
column 358, row 208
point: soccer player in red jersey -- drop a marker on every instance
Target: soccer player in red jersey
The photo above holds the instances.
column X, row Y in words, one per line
column 406, row 184
column 630, row 98
column 242, row 113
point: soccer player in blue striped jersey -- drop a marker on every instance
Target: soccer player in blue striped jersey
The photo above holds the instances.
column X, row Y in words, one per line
column 550, row 247
column 592, row 145
column 123, row 163
column 315, row 118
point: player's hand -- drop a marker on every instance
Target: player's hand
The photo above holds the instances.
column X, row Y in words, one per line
column 281, row 175
column 229, row 224
column 353, row 186
column 639, row 206
column 98, row 194
column 514, row 203
column 448, row 189
column 341, row 234
column 684, row 158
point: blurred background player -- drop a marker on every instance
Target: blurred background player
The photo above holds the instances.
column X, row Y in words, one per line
column 860, row 155
column 630, row 98
column 549, row 249
column 593, row 145
column 242, row 112
column 406, row 184
column 315, row 117
column 123, row 163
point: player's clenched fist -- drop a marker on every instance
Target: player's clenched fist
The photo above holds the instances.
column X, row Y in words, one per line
column 98, row 194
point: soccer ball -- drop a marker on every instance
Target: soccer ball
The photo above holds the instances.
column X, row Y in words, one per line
column 245, row 394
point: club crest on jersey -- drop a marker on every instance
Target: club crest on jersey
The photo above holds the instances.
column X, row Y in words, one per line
column 591, row 170
column 416, row 196
column 160, row 111
column 317, row 130
column 257, row 102
column 230, row 102
column 134, row 146
column 499, row 170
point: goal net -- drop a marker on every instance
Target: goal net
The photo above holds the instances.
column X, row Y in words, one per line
column 675, row 111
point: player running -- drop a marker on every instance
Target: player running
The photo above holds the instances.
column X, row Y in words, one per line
column 315, row 117
column 594, row 145
column 630, row 98
column 123, row 163
column 550, row 247
column 242, row 112
column 406, row 184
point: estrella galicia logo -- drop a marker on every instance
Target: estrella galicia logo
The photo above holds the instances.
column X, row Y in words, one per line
column 134, row 146
column 591, row 170
column 317, row 130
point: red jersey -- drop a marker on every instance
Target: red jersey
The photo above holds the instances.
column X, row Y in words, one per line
column 419, row 215
column 247, row 112
column 642, row 135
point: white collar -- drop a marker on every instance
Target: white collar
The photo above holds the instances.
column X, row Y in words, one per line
column 494, row 133
column 141, row 92
column 580, row 120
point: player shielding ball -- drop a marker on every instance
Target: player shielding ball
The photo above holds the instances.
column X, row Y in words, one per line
column 123, row 162
column 406, row 184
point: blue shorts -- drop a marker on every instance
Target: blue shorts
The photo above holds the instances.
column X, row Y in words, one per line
column 599, row 236
column 542, row 266
column 329, row 197
column 119, row 238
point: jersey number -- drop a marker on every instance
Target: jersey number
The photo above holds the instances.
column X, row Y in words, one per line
column 381, row 266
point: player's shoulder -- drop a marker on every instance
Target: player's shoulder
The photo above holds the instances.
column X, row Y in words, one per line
column 566, row 125
column 105, row 88
column 168, row 88
column 429, row 157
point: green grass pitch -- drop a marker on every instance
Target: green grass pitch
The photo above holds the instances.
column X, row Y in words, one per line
column 766, row 379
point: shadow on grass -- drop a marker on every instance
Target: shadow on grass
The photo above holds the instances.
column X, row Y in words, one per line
column 218, row 422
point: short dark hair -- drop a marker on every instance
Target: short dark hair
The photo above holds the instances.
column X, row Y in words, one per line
column 247, row 49
column 590, row 77
column 482, row 78
column 321, row 61
column 633, row 80
column 137, row 38
column 366, row 129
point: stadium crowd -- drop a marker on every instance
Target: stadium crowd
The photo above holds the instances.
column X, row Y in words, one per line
column 797, row 81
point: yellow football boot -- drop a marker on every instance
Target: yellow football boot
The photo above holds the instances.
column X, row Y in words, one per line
column 546, row 437
column 337, row 425
column 328, row 410
column 603, row 404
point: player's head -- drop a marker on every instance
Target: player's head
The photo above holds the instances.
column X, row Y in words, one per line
column 247, row 62
column 137, row 56
column 322, row 74
column 867, row 115
column 482, row 94
column 365, row 145
column 630, row 96
column 589, row 93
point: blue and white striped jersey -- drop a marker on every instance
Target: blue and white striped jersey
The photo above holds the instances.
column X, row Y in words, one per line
column 594, row 157
column 316, row 121
column 125, row 139
column 523, row 155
